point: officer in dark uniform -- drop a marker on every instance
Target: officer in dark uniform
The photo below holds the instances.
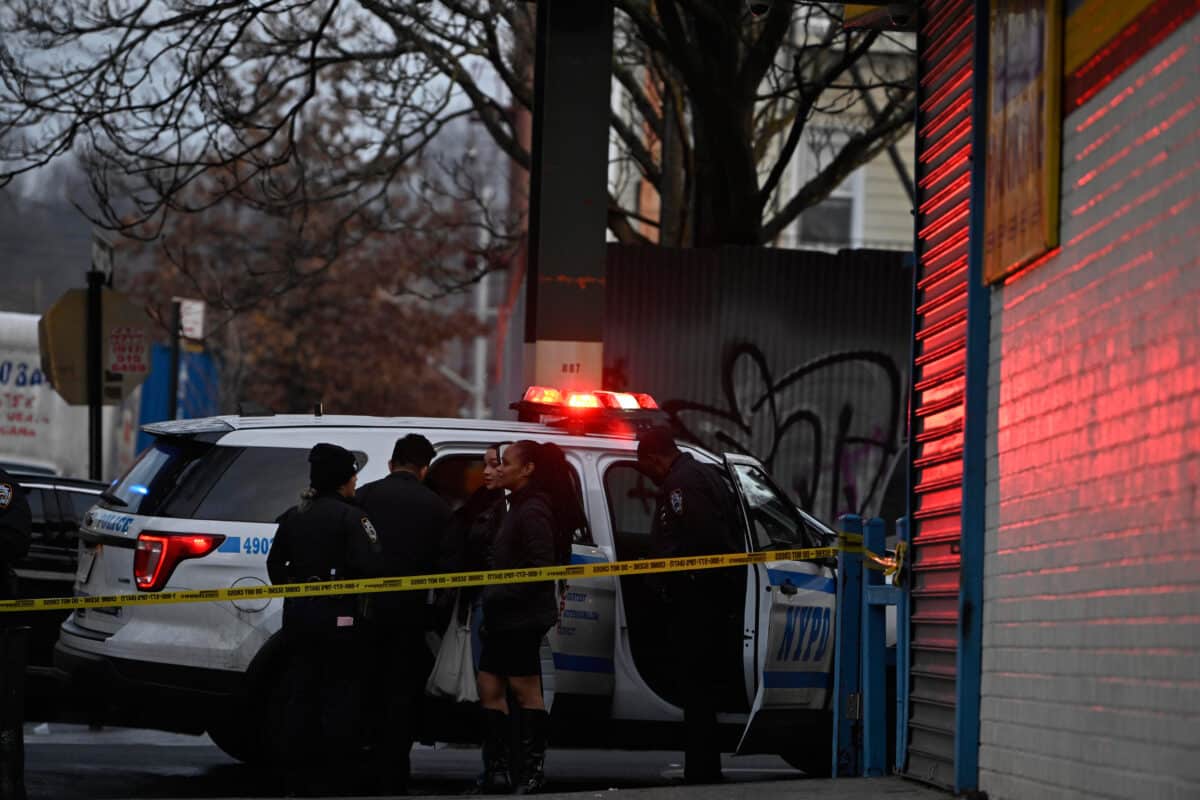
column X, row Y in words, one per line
column 324, row 538
column 16, row 529
column 412, row 521
column 697, row 515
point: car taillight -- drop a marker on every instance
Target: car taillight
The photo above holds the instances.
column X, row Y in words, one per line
column 157, row 555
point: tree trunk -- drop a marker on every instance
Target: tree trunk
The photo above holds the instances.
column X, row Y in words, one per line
column 726, row 194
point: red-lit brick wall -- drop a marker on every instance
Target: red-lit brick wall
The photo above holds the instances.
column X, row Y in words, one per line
column 1091, row 664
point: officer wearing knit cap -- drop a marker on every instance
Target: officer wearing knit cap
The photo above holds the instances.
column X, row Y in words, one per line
column 325, row 537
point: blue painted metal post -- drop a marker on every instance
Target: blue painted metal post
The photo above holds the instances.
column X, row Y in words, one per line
column 969, row 661
column 847, row 694
column 903, row 584
column 875, row 599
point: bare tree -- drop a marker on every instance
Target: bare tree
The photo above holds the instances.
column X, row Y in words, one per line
column 159, row 93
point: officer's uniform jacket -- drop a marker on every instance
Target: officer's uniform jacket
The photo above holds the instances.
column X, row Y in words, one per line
column 324, row 538
column 697, row 515
column 411, row 520
column 16, row 529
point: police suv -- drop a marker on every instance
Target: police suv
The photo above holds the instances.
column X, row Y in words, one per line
column 198, row 510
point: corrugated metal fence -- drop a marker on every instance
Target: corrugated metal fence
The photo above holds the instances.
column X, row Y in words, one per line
column 797, row 358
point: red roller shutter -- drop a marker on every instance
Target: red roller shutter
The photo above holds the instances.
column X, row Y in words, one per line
column 943, row 196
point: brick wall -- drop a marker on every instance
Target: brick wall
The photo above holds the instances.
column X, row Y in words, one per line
column 1091, row 684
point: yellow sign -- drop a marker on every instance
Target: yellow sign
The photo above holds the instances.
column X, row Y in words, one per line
column 1024, row 136
column 1093, row 24
column 125, row 346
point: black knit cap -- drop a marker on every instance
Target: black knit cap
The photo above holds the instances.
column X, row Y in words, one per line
column 330, row 466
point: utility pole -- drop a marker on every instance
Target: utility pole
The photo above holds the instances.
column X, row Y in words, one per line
column 173, row 372
column 95, row 371
column 479, row 376
column 568, row 204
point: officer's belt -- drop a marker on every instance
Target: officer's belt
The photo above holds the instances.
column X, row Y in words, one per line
column 847, row 543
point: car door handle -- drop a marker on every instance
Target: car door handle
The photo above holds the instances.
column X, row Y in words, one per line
column 788, row 588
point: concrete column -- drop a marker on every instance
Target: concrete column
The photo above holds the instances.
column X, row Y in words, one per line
column 568, row 203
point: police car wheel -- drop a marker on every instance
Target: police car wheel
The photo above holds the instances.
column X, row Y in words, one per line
column 241, row 741
column 814, row 759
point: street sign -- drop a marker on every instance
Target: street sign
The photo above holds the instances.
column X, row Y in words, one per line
column 191, row 317
column 125, row 346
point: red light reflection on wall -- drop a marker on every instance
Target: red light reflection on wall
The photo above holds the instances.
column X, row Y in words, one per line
column 1095, row 552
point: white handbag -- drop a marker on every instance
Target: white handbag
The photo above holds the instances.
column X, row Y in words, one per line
column 453, row 672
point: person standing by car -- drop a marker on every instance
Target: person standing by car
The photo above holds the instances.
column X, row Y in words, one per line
column 324, row 538
column 16, row 531
column 468, row 543
column 516, row 617
column 696, row 515
column 412, row 521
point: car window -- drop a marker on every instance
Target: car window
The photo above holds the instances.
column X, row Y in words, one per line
column 74, row 505
column 258, row 484
column 632, row 500
column 37, row 508
column 155, row 476
column 776, row 522
column 456, row 477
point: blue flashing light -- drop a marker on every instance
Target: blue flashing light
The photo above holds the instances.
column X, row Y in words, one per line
column 137, row 488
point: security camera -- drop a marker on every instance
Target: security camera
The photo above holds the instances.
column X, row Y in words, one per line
column 759, row 8
column 902, row 15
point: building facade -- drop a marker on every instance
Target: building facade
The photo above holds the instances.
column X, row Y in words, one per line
column 1056, row 419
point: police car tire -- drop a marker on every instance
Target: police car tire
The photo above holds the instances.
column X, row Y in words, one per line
column 240, row 741
column 813, row 758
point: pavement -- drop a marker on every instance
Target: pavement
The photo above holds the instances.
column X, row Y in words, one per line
column 799, row 789
column 71, row 762
column 892, row 788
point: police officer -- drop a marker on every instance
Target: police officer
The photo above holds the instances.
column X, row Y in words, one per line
column 697, row 514
column 412, row 521
column 16, row 529
column 325, row 537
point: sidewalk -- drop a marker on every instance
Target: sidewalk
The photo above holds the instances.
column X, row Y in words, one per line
column 891, row 788
column 800, row 789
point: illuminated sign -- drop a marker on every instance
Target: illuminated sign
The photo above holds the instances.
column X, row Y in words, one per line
column 1024, row 134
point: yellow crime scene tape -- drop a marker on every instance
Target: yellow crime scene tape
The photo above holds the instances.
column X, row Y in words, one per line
column 450, row 580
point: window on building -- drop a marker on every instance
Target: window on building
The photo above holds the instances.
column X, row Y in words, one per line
column 829, row 223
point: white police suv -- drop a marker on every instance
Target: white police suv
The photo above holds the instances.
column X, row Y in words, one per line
column 197, row 511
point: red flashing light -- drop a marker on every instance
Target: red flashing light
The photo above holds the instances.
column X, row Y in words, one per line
column 157, row 555
column 645, row 401
column 543, row 394
column 623, row 400
column 583, row 400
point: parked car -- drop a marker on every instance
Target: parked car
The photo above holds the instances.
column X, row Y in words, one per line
column 59, row 506
column 197, row 511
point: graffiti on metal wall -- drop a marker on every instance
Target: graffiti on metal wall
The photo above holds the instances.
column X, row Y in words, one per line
column 828, row 429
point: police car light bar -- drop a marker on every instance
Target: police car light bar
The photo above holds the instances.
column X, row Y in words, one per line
column 593, row 410
column 625, row 401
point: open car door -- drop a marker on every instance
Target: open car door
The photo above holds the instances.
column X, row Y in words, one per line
column 789, row 672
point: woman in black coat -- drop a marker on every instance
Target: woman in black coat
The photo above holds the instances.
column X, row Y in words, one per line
column 516, row 618
column 468, row 546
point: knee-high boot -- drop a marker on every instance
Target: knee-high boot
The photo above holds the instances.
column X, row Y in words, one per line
column 495, row 778
column 535, row 725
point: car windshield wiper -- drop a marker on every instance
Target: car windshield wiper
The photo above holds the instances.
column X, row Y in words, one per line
column 112, row 499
